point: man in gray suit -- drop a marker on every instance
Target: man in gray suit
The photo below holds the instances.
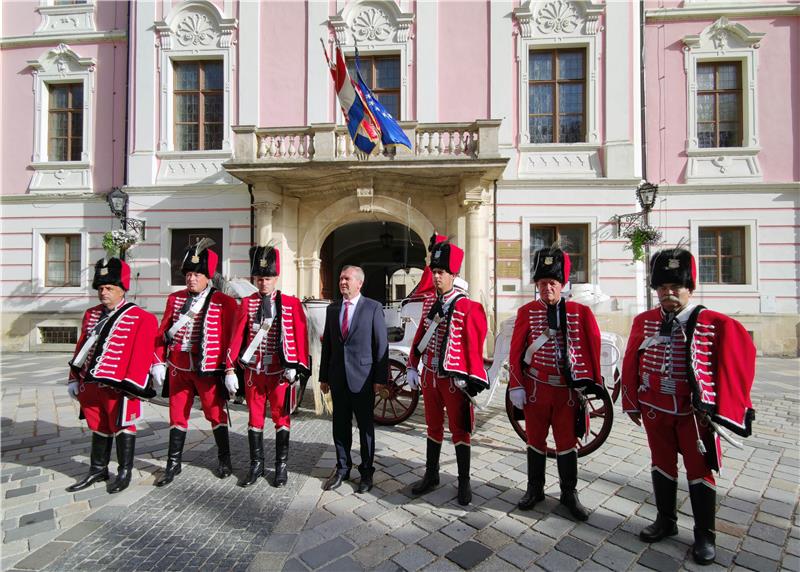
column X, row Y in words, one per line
column 355, row 355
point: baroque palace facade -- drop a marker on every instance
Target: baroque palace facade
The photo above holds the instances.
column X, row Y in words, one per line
column 530, row 122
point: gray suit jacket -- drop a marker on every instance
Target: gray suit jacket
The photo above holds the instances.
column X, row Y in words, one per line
column 363, row 357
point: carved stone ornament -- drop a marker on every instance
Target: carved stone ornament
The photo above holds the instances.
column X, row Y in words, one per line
column 559, row 17
column 195, row 30
column 372, row 24
column 723, row 36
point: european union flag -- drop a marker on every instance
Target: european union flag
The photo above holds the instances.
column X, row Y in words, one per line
column 391, row 132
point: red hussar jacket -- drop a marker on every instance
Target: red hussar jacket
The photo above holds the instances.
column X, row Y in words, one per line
column 287, row 338
column 462, row 345
column 124, row 350
column 710, row 367
column 214, row 323
column 582, row 351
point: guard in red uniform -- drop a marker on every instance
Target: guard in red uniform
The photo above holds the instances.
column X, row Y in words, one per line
column 108, row 372
column 687, row 373
column 555, row 353
column 192, row 347
column 270, row 341
column 448, row 349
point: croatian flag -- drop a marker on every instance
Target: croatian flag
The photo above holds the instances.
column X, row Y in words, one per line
column 391, row 132
column 361, row 124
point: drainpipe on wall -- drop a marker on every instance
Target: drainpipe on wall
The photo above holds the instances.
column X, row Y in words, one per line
column 494, row 236
column 252, row 215
column 643, row 128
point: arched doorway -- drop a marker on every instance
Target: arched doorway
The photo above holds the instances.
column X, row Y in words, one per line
column 381, row 249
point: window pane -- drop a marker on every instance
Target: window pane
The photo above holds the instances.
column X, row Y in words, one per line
column 77, row 123
column 57, row 150
column 186, row 137
column 708, row 271
column 733, row 270
column 705, row 135
column 56, row 247
column 212, row 136
column 728, row 76
column 731, row 242
column 213, row 108
column 186, row 106
column 59, row 96
column 187, row 76
column 577, row 271
column 213, row 75
column 573, row 239
column 570, row 128
column 540, row 66
column 729, row 135
column 55, row 274
column 76, row 149
column 570, row 98
column 365, row 68
column 391, row 101
column 58, row 124
column 541, row 98
column 387, row 73
column 570, row 65
column 708, row 242
column 729, row 107
column 705, row 108
column 542, row 237
column 705, row 77
column 541, row 129
column 77, row 96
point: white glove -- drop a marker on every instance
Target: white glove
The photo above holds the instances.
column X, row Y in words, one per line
column 231, row 383
column 412, row 378
column 72, row 389
column 290, row 375
column 158, row 373
column 460, row 383
column 517, row 397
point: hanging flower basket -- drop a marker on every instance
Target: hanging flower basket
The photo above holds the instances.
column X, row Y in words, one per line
column 639, row 237
column 118, row 241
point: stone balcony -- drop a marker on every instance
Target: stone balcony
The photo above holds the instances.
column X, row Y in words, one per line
column 284, row 154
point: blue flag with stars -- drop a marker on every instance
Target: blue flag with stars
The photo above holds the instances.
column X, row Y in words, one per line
column 391, row 132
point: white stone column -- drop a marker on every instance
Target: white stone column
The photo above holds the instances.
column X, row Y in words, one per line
column 264, row 214
column 475, row 198
column 308, row 268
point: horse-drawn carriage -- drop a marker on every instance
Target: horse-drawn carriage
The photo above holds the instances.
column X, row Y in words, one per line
column 395, row 401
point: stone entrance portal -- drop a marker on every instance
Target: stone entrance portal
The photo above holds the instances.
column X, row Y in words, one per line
column 384, row 249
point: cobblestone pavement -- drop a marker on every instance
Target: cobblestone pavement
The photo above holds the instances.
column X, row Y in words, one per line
column 201, row 522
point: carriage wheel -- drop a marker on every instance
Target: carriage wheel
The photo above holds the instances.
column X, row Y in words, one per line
column 395, row 401
column 601, row 413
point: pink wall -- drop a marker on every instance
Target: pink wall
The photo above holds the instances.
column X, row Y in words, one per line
column 463, row 60
column 283, row 68
column 19, row 18
column 778, row 85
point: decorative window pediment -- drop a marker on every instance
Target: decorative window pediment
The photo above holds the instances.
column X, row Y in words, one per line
column 61, row 65
column 558, row 18
column 372, row 23
column 724, row 41
column 196, row 25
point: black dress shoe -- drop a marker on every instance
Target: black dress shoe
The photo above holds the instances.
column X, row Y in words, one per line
column 335, row 481
column 365, row 485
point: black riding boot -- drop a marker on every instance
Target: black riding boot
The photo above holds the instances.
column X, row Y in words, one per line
column 704, row 507
column 174, row 453
column 666, row 523
column 126, row 443
column 98, row 463
column 224, row 468
column 463, row 452
column 281, row 458
column 568, row 475
column 256, row 441
column 431, row 477
column 535, row 491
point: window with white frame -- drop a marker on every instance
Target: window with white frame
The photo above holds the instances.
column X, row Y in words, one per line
column 573, row 239
column 721, row 64
column 722, row 254
column 62, row 260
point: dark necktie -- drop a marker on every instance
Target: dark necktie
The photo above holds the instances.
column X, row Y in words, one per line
column 188, row 303
column 666, row 325
column 552, row 317
column 345, row 320
column 101, row 321
column 437, row 309
column 264, row 309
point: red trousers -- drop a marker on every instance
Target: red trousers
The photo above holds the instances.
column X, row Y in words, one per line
column 183, row 386
column 102, row 405
column 668, row 435
column 551, row 406
column 440, row 393
column 260, row 387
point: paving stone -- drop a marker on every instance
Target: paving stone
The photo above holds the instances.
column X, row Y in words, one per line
column 658, row 561
column 19, row 492
column 755, row 562
column 555, row 561
column 414, row 558
column 378, row 550
column 469, row 554
column 280, row 543
column 575, row 548
column 762, row 548
column 614, row 557
column 493, row 538
column 438, row 543
column 294, row 565
column 35, row 517
column 345, row 564
column 43, row 556
column 28, row 531
column 517, row 555
column 458, row 531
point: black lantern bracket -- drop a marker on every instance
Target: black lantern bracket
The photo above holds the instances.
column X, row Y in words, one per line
column 646, row 194
column 118, row 203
